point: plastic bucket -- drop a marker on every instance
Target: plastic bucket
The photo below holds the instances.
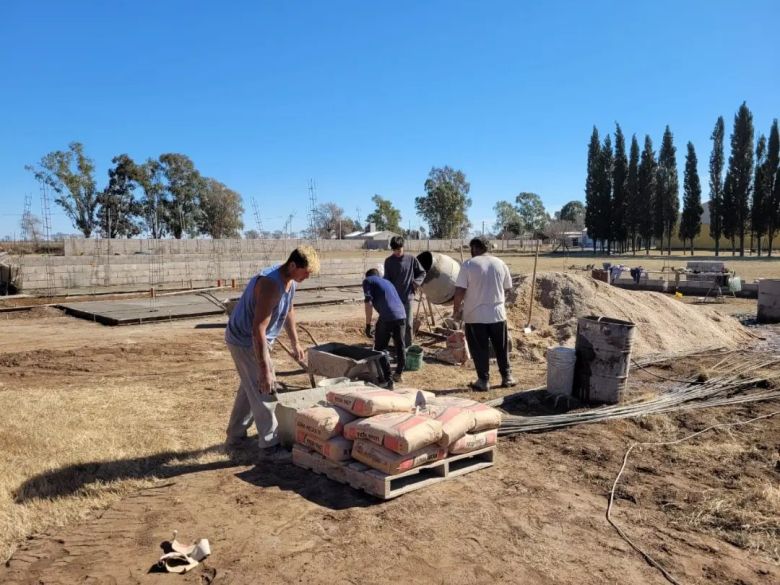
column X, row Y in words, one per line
column 560, row 370
column 414, row 356
column 603, row 349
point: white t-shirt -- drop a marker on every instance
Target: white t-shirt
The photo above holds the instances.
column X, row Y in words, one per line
column 485, row 279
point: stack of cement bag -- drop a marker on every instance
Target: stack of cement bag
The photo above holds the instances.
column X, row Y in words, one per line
column 395, row 430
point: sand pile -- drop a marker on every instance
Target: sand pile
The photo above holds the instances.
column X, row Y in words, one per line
column 663, row 323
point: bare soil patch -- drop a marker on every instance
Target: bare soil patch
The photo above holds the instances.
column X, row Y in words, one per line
column 112, row 437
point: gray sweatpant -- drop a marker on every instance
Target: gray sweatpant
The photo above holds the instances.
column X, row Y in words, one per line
column 250, row 404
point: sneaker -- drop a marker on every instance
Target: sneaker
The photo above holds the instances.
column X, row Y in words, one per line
column 508, row 381
column 241, row 443
column 398, row 377
column 480, row 385
column 275, row 454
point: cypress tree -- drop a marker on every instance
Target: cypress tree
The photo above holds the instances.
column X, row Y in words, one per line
column 772, row 177
column 690, row 223
column 667, row 189
column 716, row 183
column 632, row 194
column 741, row 170
column 591, row 186
column 646, row 192
column 758, row 220
column 729, row 218
column 619, row 190
column 605, row 193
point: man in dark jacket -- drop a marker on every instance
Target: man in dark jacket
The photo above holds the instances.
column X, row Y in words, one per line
column 407, row 275
column 381, row 296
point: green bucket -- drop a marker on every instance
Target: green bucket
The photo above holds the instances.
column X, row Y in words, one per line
column 414, row 356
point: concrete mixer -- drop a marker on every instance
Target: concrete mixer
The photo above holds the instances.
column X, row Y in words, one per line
column 441, row 273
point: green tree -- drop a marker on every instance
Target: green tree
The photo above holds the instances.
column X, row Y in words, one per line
column 758, row 218
column 604, row 201
column 573, row 211
column 183, row 189
column 508, row 221
column 155, row 208
column 619, row 204
column 690, row 223
column 646, row 187
column 445, row 202
column 729, row 220
column 741, row 170
column 633, row 205
column 221, row 211
column 667, row 189
column 118, row 214
column 530, row 208
column 70, row 173
column 591, row 187
column 385, row 215
column 772, row 177
column 716, row 183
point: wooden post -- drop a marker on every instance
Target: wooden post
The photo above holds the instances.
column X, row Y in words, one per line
column 533, row 286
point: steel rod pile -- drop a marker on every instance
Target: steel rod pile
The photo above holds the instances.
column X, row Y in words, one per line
column 723, row 387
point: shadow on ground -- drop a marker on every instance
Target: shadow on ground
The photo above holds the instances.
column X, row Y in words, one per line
column 71, row 479
column 316, row 488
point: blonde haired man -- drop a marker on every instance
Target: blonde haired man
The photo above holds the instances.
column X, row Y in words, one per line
column 263, row 309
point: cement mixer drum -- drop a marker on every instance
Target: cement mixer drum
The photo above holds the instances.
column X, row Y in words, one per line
column 441, row 273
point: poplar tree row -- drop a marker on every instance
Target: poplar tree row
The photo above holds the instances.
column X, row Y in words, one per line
column 633, row 201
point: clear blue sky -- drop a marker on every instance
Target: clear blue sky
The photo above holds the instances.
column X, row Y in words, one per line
column 365, row 97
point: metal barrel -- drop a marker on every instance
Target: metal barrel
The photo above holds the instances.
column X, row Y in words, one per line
column 441, row 273
column 603, row 349
column 560, row 370
column 769, row 300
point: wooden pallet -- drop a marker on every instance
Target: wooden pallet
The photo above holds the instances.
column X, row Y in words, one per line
column 385, row 487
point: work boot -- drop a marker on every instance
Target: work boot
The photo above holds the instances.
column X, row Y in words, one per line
column 480, row 385
column 275, row 454
column 508, row 381
column 398, row 377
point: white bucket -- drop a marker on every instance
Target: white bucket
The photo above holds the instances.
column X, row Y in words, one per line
column 560, row 370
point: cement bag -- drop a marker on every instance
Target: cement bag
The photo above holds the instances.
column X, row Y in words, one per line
column 400, row 432
column 371, row 401
column 472, row 442
column 455, row 422
column 391, row 463
column 335, row 449
column 323, row 422
column 485, row 417
column 420, row 396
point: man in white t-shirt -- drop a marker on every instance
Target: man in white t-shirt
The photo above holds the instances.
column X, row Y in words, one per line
column 479, row 301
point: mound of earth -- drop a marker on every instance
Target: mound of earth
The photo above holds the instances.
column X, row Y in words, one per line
column 663, row 323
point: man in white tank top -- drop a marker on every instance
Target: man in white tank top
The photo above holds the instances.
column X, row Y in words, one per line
column 479, row 301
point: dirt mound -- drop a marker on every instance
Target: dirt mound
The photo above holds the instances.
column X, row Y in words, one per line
column 663, row 323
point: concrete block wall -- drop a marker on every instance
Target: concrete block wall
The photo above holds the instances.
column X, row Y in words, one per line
column 181, row 270
column 91, row 247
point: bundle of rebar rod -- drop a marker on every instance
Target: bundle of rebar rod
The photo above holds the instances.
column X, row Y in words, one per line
column 728, row 383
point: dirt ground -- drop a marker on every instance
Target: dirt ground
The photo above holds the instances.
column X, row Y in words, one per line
column 112, row 438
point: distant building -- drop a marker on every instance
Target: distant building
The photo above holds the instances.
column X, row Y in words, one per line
column 375, row 239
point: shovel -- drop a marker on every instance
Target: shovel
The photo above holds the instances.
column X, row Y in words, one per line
column 528, row 328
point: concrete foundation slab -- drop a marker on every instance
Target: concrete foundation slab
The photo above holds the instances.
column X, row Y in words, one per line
column 187, row 306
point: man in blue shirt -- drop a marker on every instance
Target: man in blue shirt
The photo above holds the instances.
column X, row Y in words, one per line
column 265, row 307
column 380, row 294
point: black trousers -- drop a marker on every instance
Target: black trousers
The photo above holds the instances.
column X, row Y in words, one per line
column 478, row 335
column 408, row 323
column 382, row 333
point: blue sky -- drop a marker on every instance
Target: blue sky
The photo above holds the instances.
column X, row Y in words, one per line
column 365, row 97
